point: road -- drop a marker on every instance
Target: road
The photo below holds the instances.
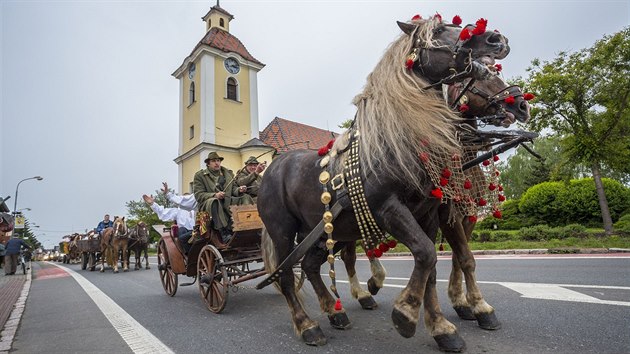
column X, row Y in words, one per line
column 547, row 304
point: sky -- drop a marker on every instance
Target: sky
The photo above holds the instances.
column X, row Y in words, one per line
column 88, row 101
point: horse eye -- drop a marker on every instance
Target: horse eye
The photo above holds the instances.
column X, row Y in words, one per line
column 438, row 30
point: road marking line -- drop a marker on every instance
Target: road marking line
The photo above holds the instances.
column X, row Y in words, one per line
column 138, row 338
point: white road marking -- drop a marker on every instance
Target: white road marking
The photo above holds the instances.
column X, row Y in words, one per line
column 138, row 338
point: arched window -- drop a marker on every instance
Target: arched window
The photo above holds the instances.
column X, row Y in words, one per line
column 191, row 93
column 221, row 23
column 232, row 89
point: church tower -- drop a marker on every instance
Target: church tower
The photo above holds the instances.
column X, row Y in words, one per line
column 218, row 101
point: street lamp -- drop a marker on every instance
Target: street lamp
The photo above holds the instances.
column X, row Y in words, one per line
column 39, row 178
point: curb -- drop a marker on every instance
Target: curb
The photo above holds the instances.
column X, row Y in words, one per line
column 527, row 251
column 10, row 328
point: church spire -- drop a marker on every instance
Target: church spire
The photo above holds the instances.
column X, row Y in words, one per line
column 218, row 17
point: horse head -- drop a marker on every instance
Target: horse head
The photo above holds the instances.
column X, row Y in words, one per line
column 120, row 227
column 440, row 51
column 489, row 101
column 142, row 231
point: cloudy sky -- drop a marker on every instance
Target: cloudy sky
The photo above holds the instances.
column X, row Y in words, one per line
column 89, row 103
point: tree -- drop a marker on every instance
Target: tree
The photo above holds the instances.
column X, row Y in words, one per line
column 584, row 99
column 140, row 211
column 346, row 124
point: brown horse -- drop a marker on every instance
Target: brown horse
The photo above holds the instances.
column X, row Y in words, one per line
column 113, row 240
column 139, row 242
column 397, row 123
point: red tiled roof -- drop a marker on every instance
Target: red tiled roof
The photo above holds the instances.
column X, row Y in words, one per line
column 224, row 41
column 219, row 9
column 285, row 135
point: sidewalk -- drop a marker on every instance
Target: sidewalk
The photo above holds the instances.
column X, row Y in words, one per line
column 13, row 293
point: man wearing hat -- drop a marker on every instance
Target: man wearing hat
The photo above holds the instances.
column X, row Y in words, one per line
column 215, row 190
column 250, row 176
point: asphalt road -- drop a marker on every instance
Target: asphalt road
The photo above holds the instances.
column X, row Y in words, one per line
column 546, row 305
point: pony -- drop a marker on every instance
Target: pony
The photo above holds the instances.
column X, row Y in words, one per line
column 139, row 242
column 398, row 122
column 113, row 240
column 485, row 103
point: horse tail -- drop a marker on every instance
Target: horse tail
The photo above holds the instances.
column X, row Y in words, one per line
column 268, row 253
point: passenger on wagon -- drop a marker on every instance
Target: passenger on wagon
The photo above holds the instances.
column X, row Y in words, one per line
column 185, row 220
column 215, row 190
column 250, row 176
column 104, row 224
column 186, row 201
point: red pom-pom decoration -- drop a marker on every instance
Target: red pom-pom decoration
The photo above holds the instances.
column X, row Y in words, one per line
column 497, row 214
column 446, row 173
column 465, row 34
column 369, row 253
column 467, row 184
column 438, row 16
column 472, row 219
column 378, row 253
column 383, row 247
column 499, row 67
column 457, row 20
column 509, row 100
column 528, row 96
column 464, row 108
column 409, row 64
column 322, row 151
column 424, row 157
column 443, row 181
column 492, row 187
column 392, row 243
column 482, row 202
column 495, row 158
column 500, row 188
column 501, row 198
column 486, row 163
column 338, row 306
column 437, row 192
column 416, row 17
column 480, row 26
column 330, row 144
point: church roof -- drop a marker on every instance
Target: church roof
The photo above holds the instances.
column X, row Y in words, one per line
column 285, row 135
column 219, row 9
column 226, row 42
column 254, row 142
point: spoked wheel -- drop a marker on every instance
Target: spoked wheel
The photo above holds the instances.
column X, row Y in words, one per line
column 167, row 276
column 213, row 279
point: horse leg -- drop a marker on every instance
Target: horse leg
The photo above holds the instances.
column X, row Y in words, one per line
column 443, row 332
column 481, row 310
column 349, row 258
column 146, row 256
column 375, row 283
column 455, row 281
column 115, row 256
column 125, row 256
column 311, row 265
column 277, row 247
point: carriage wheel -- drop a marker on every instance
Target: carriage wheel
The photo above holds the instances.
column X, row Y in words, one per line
column 167, row 276
column 213, row 279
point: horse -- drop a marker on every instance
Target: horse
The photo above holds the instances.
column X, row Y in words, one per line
column 113, row 240
column 485, row 99
column 380, row 162
column 138, row 242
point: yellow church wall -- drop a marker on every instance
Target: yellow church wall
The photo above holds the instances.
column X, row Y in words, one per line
column 190, row 166
column 232, row 120
column 215, row 21
column 192, row 113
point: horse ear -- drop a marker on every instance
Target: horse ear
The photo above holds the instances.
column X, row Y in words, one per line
column 406, row 27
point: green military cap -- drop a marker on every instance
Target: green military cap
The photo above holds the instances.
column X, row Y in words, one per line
column 251, row 160
column 213, row 156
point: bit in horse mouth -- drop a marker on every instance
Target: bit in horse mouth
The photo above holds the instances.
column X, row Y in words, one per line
column 487, row 60
column 509, row 119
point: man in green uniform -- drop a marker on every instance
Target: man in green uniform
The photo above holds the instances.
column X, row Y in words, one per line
column 215, row 190
column 250, row 176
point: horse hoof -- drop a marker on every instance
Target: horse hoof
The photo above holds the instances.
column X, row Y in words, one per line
column 372, row 286
column 339, row 320
column 464, row 312
column 488, row 321
column 314, row 336
column 125, row 270
column 115, row 271
column 451, row 343
column 102, row 270
column 147, row 267
column 368, row 303
column 403, row 324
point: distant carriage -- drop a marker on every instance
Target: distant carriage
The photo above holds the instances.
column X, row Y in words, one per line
column 90, row 250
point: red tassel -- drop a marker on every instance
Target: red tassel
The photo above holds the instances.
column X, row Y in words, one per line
column 509, row 100
column 499, row 67
column 495, row 158
column 492, row 187
column 467, row 184
column 480, row 26
column 486, row 163
column 338, row 306
column 441, row 247
column 446, row 173
column 528, row 96
column 465, row 34
column 409, row 64
column 437, row 192
column 443, row 181
column 457, row 20
column 378, row 253
column 330, row 144
column 482, row 202
column 416, row 17
column 369, row 253
column 500, row 188
column 438, row 16
column 497, row 214
column 322, row 151
column 392, row 243
column 501, row 197
column 424, row 157
column 464, row 108
column 383, row 247
column 472, row 219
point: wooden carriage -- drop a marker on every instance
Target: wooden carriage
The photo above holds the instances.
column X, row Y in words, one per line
column 215, row 266
column 90, row 251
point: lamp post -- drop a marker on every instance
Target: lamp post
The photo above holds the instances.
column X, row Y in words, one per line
column 39, row 178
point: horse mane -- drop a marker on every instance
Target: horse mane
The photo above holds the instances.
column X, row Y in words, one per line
column 398, row 120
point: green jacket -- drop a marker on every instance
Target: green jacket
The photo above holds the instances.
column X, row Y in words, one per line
column 206, row 184
column 251, row 180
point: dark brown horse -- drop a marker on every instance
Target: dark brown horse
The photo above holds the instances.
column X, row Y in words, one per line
column 138, row 243
column 485, row 102
column 113, row 240
column 397, row 123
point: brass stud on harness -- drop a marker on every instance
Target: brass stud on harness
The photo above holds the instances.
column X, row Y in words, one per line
column 328, row 227
column 326, row 198
column 324, row 177
column 328, row 217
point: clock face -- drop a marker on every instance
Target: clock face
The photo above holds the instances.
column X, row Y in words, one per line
column 191, row 70
column 232, row 66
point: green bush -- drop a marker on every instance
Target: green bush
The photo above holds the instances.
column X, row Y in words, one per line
column 623, row 224
column 534, row 233
column 540, row 203
column 500, row 236
column 574, row 230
